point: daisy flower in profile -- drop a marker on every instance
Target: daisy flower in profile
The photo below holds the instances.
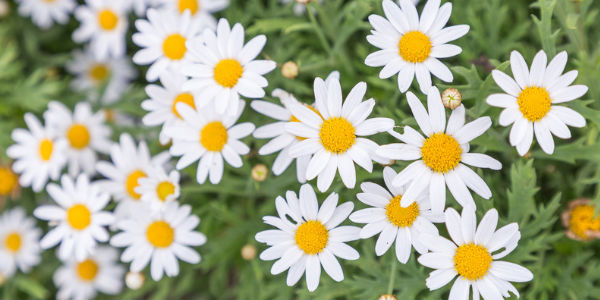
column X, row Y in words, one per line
column 411, row 45
column 531, row 101
column 223, row 68
column 129, row 164
column 199, row 9
column 334, row 133
column 104, row 24
column 209, row 137
column 441, row 155
column 394, row 222
column 163, row 100
column 162, row 38
column 84, row 131
column 158, row 188
column 308, row 237
column 92, row 74
column 44, row 13
column 79, row 217
column 473, row 254
column 19, row 242
column 99, row 272
column 160, row 238
column 38, row 155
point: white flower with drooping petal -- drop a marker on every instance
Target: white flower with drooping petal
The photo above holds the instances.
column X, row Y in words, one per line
column 104, row 25
column 531, row 98
column 411, row 45
column 440, row 156
column 81, row 280
column 38, row 154
column 395, row 223
column 160, row 238
column 84, row 132
column 45, row 13
column 79, row 217
column 223, row 68
column 473, row 254
column 19, row 242
column 335, row 133
column 312, row 240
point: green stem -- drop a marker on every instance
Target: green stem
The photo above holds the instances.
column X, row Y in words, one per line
column 317, row 28
column 390, row 288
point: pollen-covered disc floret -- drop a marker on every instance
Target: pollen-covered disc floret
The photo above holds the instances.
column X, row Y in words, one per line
column 411, row 45
column 530, row 101
column 308, row 237
column 160, row 238
column 441, row 156
column 19, row 242
column 334, row 132
column 473, row 254
column 581, row 220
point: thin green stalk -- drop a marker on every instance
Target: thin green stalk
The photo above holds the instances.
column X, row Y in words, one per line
column 317, row 28
column 390, row 288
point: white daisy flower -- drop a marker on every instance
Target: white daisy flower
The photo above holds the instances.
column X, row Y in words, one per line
column 440, row 156
column 84, row 132
column 282, row 141
column 97, row 273
column 208, row 137
column 158, row 188
column 163, row 100
column 38, row 155
column 412, row 45
column 44, row 13
column 312, row 240
column 162, row 38
column 335, row 134
column 224, row 68
column 160, row 238
column 202, row 9
column 92, row 74
column 473, row 256
column 79, row 217
column 104, row 24
column 19, row 242
column 531, row 98
column 129, row 164
column 395, row 223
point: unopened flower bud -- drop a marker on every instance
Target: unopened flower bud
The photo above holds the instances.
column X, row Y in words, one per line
column 248, row 252
column 134, row 280
column 289, row 70
column 4, row 8
column 260, row 172
column 305, row 2
column 387, row 297
column 451, row 98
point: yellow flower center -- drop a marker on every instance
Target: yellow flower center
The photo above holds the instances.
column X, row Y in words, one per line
column 8, row 181
column 472, row 261
column 186, row 98
column 132, row 182
column 312, row 237
column 174, row 46
column 98, row 72
column 45, row 149
column 227, row 72
column 294, row 119
column 12, row 242
column 107, row 19
column 401, row 216
column 582, row 219
column 160, row 234
column 165, row 189
column 414, row 46
column 534, row 103
column 192, row 5
column 87, row 270
column 79, row 216
column 213, row 136
column 79, row 136
column 441, row 152
column 337, row 135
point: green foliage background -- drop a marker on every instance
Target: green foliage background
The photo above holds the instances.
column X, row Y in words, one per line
column 532, row 191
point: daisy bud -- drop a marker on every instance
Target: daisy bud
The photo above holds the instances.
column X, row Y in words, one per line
column 387, row 297
column 580, row 220
column 2, row 279
column 134, row 280
column 4, row 8
column 248, row 252
column 451, row 98
column 289, row 69
column 305, row 2
column 260, row 172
